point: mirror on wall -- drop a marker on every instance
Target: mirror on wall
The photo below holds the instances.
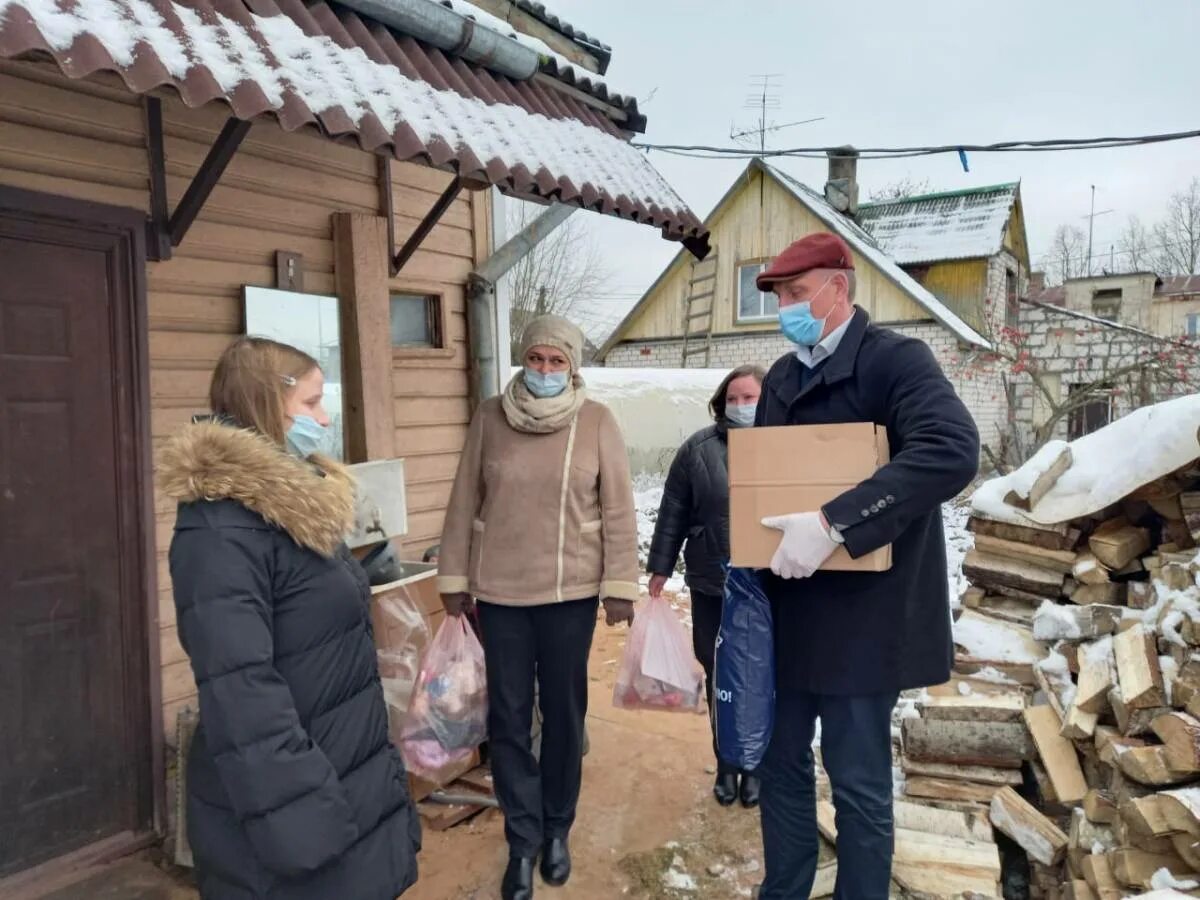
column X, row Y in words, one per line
column 309, row 322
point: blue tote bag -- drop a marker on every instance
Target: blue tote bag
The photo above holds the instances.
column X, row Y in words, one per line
column 744, row 680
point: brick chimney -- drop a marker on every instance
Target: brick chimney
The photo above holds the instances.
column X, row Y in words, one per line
column 1037, row 283
column 841, row 190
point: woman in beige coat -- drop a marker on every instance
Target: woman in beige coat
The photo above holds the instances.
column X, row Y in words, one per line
column 541, row 527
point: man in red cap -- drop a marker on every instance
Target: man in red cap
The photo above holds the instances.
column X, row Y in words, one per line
column 848, row 642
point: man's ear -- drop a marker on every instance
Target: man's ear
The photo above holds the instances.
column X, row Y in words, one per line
column 842, row 283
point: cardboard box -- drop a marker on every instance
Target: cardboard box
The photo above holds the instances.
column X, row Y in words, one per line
column 798, row 468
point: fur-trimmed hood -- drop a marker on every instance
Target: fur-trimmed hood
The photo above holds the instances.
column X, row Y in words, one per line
column 212, row 461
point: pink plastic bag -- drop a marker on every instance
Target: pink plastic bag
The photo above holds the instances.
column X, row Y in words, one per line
column 658, row 670
column 447, row 718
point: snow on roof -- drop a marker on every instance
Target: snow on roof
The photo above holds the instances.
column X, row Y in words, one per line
column 1162, row 438
column 866, row 245
column 966, row 224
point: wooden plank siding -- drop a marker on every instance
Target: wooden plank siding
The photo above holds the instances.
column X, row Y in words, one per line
column 961, row 284
column 84, row 139
column 758, row 222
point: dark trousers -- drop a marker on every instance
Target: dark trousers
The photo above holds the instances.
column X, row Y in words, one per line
column 856, row 748
column 550, row 644
column 706, row 622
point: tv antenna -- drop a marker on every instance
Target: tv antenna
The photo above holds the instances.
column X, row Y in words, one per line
column 1091, row 217
column 763, row 98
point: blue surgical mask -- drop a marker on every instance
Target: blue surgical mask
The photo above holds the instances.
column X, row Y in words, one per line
column 307, row 436
column 740, row 415
column 548, row 384
column 798, row 323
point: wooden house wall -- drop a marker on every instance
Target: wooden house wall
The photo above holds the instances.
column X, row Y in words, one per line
column 86, row 140
column 758, row 222
column 960, row 284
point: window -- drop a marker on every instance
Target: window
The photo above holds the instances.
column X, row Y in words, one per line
column 1106, row 303
column 1012, row 306
column 1094, row 413
column 417, row 322
column 1193, row 325
column 754, row 304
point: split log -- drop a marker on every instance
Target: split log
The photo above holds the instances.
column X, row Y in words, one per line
column 966, row 824
column 1049, row 537
column 1099, row 807
column 1186, row 683
column 1098, row 873
column 1110, row 742
column 1055, row 560
column 1087, row 836
column 1141, row 595
column 1034, row 833
column 1078, row 889
column 1133, row 722
column 1147, row 816
column 1135, row 868
column 1016, row 610
column 1138, row 671
column 1004, row 745
column 974, row 708
column 1128, row 836
column 1079, row 725
column 1053, row 677
column 945, row 789
column 1052, row 460
column 992, row 572
column 972, row 597
column 1188, row 848
column 1182, row 809
column 1097, row 676
column 1116, row 543
column 1057, row 754
column 1180, row 733
column 1112, row 594
column 1150, row 766
column 1054, row 622
column 977, row 774
column 1176, row 576
column 1124, row 788
column 1189, row 503
column 1087, row 569
column 1018, row 673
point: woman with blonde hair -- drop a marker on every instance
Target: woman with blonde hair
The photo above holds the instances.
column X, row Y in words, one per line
column 294, row 791
column 540, row 529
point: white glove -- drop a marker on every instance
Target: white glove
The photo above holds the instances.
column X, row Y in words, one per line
column 805, row 544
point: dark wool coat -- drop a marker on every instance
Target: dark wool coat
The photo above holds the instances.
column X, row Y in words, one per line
column 695, row 509
column 859, row 632
column 294, row 791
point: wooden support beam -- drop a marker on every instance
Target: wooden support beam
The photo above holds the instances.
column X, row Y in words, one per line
column 158, row 241
column 206, row 178
column 426, row 225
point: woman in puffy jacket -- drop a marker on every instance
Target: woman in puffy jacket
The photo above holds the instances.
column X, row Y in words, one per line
column 694, row 517
column 540, row 529
column 294, row 791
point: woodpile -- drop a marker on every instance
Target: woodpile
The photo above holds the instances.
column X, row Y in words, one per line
column 1073, row 719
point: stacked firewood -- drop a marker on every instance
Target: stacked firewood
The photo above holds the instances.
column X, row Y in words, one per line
column 1074, row 714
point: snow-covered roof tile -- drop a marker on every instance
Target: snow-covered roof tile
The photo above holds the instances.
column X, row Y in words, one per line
column 310, row 63
column 966, row 224
column 865, row 244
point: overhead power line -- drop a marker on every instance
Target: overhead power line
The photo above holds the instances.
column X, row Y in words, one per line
column 1040, row 146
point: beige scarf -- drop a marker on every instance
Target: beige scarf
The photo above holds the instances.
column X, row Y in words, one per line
column 541, row 415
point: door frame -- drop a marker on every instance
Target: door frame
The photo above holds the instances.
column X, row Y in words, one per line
column 142, row 673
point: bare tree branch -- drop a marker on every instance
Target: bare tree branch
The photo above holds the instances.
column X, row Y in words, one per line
column 1177, row 236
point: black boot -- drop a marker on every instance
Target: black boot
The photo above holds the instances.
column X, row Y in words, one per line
column 751, row 788
column 518, row 879
column 556, row 862
column 726, row 788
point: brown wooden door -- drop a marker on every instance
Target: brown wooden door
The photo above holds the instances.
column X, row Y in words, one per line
column 74, row 692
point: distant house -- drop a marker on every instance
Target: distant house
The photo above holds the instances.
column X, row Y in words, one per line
column 1168, row 306
column 764, row 211
column 968, row 248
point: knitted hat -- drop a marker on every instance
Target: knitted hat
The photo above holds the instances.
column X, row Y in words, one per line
column 556, row 332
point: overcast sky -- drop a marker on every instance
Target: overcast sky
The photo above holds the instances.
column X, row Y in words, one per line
column 909, row 72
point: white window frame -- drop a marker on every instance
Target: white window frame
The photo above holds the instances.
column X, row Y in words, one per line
column 1191, row 325
column 737, row 295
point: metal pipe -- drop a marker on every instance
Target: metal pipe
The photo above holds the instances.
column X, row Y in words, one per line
column 445, row 798
column 451, row 31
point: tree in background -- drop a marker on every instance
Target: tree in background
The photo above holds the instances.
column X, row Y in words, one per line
column 1067, row 256
column 557, row 277
column 902, row 189
column 1177, row 234
column 1135, row 247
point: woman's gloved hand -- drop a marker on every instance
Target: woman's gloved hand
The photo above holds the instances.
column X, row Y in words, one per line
column 457, row 604
column 618, row 611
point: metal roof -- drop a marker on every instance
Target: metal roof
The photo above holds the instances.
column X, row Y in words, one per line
column 966, row 224
column 317, row 64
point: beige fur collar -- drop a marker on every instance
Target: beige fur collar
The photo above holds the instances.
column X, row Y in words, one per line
column 210, row 461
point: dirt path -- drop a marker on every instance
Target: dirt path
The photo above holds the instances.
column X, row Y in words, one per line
column 647, row 827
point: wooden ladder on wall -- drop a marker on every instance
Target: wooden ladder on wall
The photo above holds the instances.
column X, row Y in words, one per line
column 698, row 312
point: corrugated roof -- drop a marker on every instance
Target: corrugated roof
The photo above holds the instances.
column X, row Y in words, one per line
column 1179, row 284
column 966, row 224
column 316, row 64
column 562, row 26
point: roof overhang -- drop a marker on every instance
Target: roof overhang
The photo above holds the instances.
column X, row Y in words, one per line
column 319, row 65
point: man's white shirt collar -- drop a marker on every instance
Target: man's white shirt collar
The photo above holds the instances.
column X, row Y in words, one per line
column 811, row 357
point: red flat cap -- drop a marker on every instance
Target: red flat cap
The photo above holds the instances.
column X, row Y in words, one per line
column 815, row 251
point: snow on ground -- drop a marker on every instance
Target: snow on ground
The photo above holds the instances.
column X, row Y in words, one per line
column 959, row 542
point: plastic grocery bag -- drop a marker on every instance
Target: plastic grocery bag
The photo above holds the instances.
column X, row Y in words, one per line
column 658, row 670
column 744, row 679
column 447, row 718
column 401, row 638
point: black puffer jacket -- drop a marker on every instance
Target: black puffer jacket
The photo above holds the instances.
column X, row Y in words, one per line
column 695, row 509
column 294, row 791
